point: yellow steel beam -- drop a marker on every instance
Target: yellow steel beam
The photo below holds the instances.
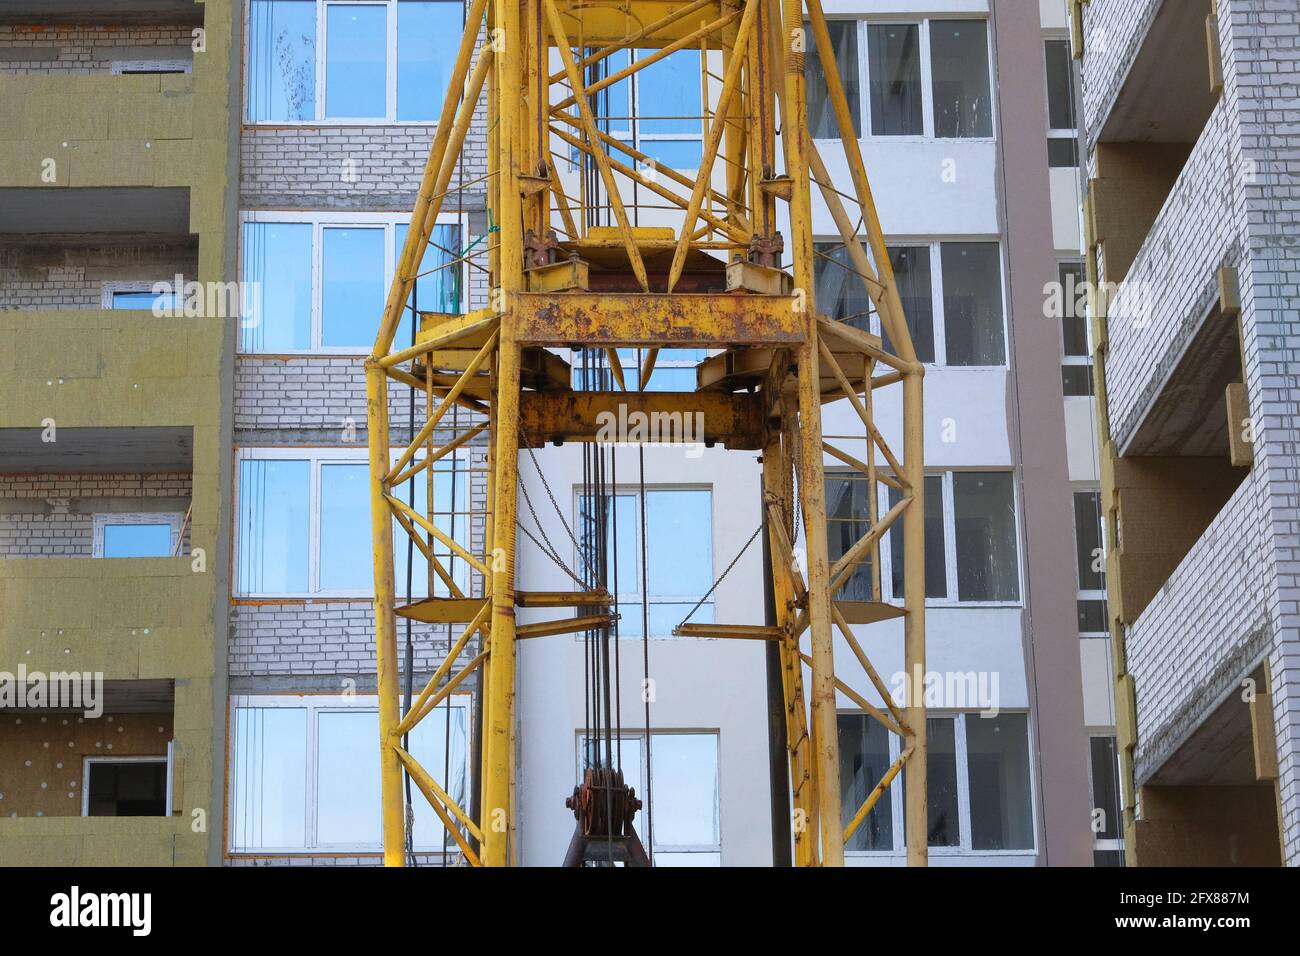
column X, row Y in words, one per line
column 735, row 421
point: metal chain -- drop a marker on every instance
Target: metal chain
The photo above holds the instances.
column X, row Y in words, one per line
column 725, row 572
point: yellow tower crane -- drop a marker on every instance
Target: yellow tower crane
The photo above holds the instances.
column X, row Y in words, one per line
column 569, row 264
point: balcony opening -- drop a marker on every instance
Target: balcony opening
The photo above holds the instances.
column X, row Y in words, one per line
column 75, row 37
column 1181, row 466
column 95, row 493
column 76, row 745
column 1158, row 116
column 1213, row 801
column 96, row 248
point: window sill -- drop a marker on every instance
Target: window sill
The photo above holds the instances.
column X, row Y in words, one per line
column 333, row 123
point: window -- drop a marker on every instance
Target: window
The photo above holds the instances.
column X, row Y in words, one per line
column 1062, row 122
column 686, row 829
column 139, row 535
column 679, row 552
column 656, row 110
column 373, row 61
column 304, row 773
column 821, row 113
column 1107, row 812
column 979, row 783
column 674, row 370
column 970, row 538
column 125, row 787
column 138, row 295
column 926, row 78
column 847, row 517
column 1076, row 360
column 317, row 283
column 122, row 67
column 968, row 326
column 302, row 513
column 1090, row 554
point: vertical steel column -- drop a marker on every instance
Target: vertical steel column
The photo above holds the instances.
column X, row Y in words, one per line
column 381, row 537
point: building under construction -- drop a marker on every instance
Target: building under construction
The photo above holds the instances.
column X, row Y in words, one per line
column 448, row 433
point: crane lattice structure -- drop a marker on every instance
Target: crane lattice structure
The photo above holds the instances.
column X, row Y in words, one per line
column 570, row 266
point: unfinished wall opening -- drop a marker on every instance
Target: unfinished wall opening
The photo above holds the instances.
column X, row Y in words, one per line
column 80, row 37
column 1184, row 461
column 96, row 493
column 74, row 744
column 1156, row 119
column 96, row 248
column 1213, row 802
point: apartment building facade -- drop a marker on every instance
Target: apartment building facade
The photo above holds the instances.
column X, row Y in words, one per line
column 965, row 115
column 1191, row 225
column 115, row 169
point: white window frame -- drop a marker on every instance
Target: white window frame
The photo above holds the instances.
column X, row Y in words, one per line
column 964, row 847
column 320, row 221
column 1054, row 132
column 104, row 518
column 1068, row 302
column 317, row 457
column 1100, row 844
column 112, row 287
column 390, row 85
column 937, row 316
column 1088, row 594
column 950, row 542
column 88, row 762
column 927, row 77
column 646, row 753
column 315, row 705
column 635, row 597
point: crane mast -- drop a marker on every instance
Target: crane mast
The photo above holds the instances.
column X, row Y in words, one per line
column 597, row 245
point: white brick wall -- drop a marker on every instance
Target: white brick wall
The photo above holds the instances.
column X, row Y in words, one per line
column 87, row 49
column 1171, row 284
column 1238, row 585
column 1113, row 31
column 52, row 516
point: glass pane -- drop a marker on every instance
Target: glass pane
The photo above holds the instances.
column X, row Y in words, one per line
column 1092, row 617
column 450, row 516
column 619, row 524
column 626, row 754
column 997, row 760
column 438, row 287
column 666, row 615
column 1107, row 857
column 345, row 528
column 1060, row 86
column 1087, row 540
column 613, row 104
column 347, row 778
column 936, row 561
column 352, row 286
column 894, row 59
column 1074, row 309
column 277, row 302
column 1076, row 380
column 847, row 522
column 941, row 779
column 439, row 744
column 838, row 289
column 137, row 540
column 911, row 265
column 674, row 153
column 1105, row 789
column 959, row 60
column 985, row 513
column 428, row 36
column 684, row 768
column 1062, row 152
column 268, row 779
column 159, row 304
column 356, row 61
column 821, row 114
column 864, row 758
column 670, row 87
column 679, row 524
column 687, row 859
column 282, row 60
column 273, row 526
column 972, row 303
